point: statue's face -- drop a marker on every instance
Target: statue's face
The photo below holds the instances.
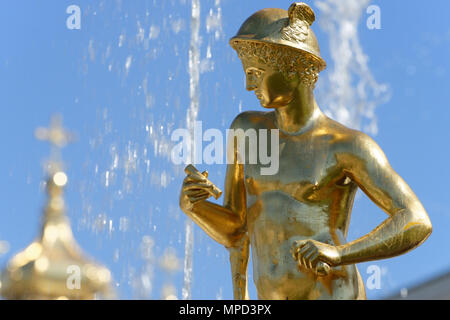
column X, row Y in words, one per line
column 271, row 87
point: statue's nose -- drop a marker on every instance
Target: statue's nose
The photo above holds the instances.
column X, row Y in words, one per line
column 251, row 83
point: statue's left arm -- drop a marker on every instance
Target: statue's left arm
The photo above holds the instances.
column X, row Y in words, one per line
column 407, row 226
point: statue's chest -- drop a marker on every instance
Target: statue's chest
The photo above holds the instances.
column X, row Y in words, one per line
column 304, row 167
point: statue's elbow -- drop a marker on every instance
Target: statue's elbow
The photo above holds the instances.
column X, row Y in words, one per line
column 417, row 227
column 424, row 228
column 426, row 225
column 425, row 231
column 428, row 228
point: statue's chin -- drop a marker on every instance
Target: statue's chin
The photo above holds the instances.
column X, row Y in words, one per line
column 274, row 104
column 268, row 106
column 264, row 104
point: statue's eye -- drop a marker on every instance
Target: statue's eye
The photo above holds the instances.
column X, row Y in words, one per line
column 254, row 72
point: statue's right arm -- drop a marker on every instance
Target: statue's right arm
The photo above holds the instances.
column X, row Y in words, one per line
column 219, row 222
column 226, row 224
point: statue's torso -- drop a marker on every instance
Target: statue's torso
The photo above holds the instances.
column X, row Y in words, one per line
column 309, row 198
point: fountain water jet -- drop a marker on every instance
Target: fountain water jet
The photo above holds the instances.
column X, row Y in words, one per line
column 194, row 91
column 350, row 94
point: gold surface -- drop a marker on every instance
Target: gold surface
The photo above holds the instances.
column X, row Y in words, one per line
column 47, row 267
column 284, row 29
column 296, row 221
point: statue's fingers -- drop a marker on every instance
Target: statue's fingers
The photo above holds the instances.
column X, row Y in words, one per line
column 195, row 192
column 205, row 173
column 302, row 257
column 295, row 249
column 313, row 259
column 196, row 197
column 190, row 178
column 198, row 185
column 297, row 245
column 304, row 262
column 200, row 198
column 307, row 261
column 309, row 258
column 206, row 186
column 294, row 253
column 300, row 262
column 304, row 249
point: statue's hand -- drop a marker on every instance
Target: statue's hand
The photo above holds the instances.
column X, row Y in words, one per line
column 196, row 187
column 316, row 256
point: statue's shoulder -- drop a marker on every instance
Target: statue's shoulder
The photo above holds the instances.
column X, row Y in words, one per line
column 352, row 141
column 251, row 119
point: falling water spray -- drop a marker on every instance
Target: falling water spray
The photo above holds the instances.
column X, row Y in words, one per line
column 350, row 93
column 194, row 77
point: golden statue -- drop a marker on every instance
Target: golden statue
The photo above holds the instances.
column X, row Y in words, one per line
column 296, row 220
column 53, row 266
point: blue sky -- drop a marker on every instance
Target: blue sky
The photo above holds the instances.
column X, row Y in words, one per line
column 121, row 83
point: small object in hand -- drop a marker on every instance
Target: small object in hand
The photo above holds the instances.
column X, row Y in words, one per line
column 190, row 169
column 322, row 269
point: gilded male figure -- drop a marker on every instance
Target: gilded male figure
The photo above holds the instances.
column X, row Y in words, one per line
column 296, row 221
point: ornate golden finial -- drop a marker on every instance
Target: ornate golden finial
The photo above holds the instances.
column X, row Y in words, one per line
column 56, row 134
column 53, row 266
column 58, row 138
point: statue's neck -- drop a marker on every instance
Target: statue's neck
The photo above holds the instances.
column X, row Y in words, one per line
column 299, row 113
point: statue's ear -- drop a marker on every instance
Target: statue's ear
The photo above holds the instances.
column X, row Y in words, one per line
column 300, row 11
